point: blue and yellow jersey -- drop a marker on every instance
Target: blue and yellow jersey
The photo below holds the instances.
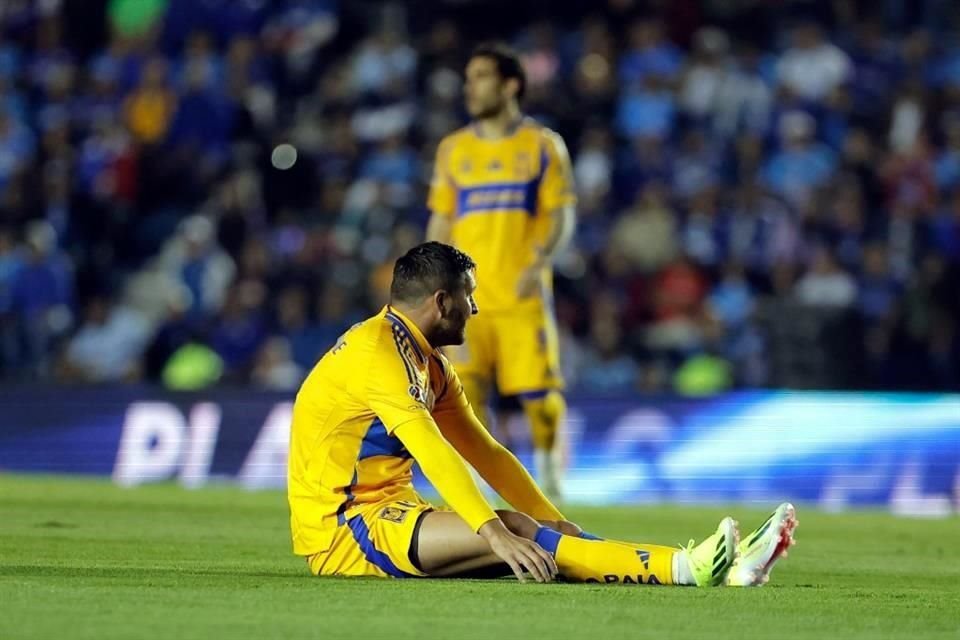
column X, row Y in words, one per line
column 499, row 194
column 380, row 398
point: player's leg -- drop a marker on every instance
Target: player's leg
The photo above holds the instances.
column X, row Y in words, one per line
column 528, row 365
column 506, row 408
column 444, row 546
column 474, row 364
column 478, row 389
column 545, row 411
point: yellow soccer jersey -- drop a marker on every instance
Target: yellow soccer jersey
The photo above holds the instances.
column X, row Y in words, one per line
column 499, row 194
column 381, row 386
column 343, row 450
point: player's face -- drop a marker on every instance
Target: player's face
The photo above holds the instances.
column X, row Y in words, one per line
column 484, row 90
column 455, row 308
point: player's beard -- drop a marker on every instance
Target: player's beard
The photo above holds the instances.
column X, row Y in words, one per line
column 450, row 330
column 486, row 110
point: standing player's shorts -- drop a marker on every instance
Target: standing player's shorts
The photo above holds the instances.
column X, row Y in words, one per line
column 520, row 349
column 378, row 539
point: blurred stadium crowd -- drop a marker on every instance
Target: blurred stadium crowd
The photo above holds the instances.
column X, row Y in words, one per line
column 209, row 191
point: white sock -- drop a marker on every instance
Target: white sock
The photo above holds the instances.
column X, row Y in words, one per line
column 681, row 569
column 547, row 466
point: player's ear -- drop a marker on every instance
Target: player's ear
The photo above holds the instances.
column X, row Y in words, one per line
column 440, row 301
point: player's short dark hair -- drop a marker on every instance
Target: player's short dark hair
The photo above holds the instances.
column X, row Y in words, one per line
column 507, row 61
column 427, row 268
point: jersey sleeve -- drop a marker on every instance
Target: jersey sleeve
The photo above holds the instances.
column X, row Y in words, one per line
column 502, row 471
column 557, row 188
column 446, row 471
column 442, row 199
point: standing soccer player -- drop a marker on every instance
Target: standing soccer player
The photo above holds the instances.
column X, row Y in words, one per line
column 502, row 191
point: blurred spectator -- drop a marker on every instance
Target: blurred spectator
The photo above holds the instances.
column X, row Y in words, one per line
column 274, row 367
column 17, row 146
column 149, row 110
column 593, row 167
column 647, row 111
column 812, row 67
column 679, row 292
column 701, row 234
column 648, row 53
column 646, row 234
column 731, row 301
column 743, row 101
column 382, row 61
column 10, row 262
column 761, row 230
column 826, row 284
column 802, row 165
column 696, row 166
column 607, row 368
column 203, row 268
column 108, row 345
column 947, row 165
column 239, row 330
column 705, row 73
column 306, row 340
column 41, row 293
column 879, row 291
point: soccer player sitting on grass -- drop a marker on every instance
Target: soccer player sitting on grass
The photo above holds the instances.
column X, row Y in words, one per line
column 385, row 396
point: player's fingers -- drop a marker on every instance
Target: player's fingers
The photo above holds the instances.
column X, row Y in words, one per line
column 517, row 569
column 545, row 560
column 537, row 566
column 549, row 560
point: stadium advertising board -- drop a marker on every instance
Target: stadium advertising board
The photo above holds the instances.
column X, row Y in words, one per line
column 833, row 449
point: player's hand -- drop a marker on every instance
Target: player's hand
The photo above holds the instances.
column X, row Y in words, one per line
column 529, row 281
column 519, row 553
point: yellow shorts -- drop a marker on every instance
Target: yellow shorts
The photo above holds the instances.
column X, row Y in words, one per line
column 374, row 540
column 519, row 349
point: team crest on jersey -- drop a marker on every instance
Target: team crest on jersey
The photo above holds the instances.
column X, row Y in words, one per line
column 393, row 514
column 466, row 166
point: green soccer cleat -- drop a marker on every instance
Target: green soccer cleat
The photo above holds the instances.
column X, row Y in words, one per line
column 710, row 561
column 760, row 550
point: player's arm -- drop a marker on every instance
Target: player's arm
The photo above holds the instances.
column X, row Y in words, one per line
column 439, row 229
column 495, row 464
column 445, row 470
column 558, row 200
column 557, row 193
column 442, row 199
column 392, row 396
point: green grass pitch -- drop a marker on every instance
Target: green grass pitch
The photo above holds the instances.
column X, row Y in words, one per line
column 84, row 559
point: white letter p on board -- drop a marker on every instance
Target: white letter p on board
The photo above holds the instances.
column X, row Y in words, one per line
column 151, row 443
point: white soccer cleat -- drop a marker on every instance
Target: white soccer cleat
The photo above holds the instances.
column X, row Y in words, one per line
column 761, row 549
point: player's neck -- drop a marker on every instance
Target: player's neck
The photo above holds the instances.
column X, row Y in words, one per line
column 501, row 125
column 416, row 317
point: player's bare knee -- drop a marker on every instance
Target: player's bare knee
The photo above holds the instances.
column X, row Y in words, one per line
column 519, row 524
